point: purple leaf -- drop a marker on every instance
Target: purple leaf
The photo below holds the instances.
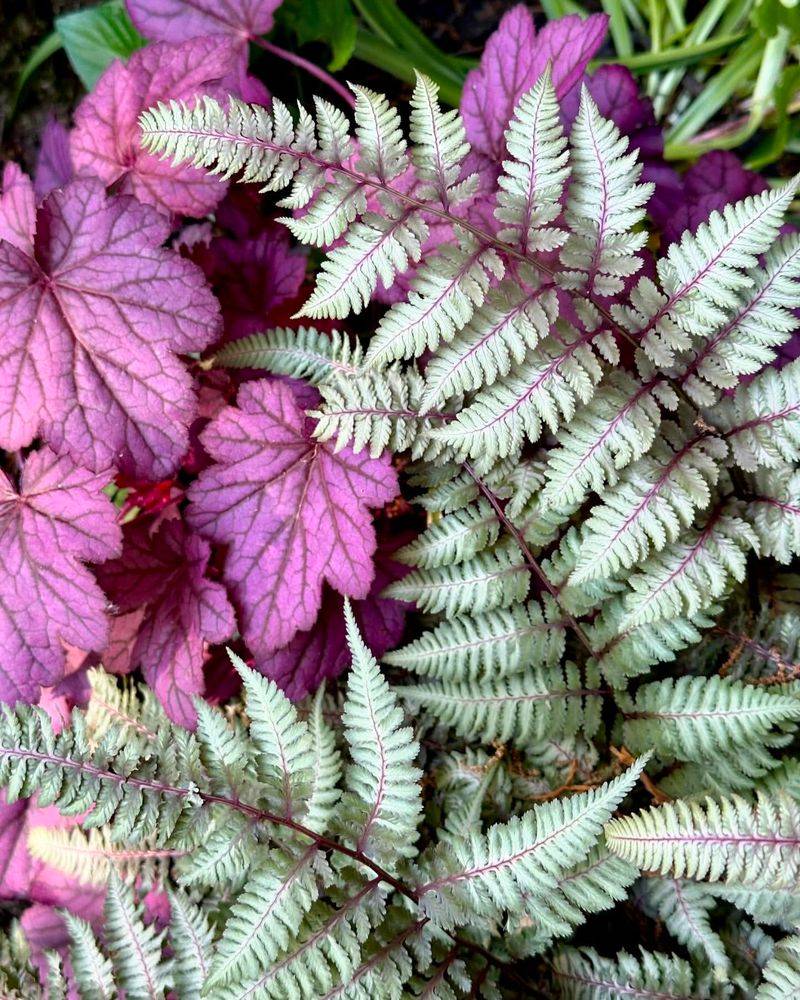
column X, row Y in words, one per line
column 14, row 859
column 105, row 140
column 59, row 519
column 252, row 277
column 54, row 163
column 17, row 210
column 321, row 653
column 174, row 20
column 716, row 179
column 293, row 512
column 93, row 316
column 513, row 60
column 162, row 572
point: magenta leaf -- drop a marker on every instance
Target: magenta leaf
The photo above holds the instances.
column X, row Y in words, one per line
column 174, row 20
column 513, row 60
column 93, row 314
column 292, row 511
column 252, row 277
column 17, row 209
column 716, row 179
column 105, row 140
column 54, row 162
column 59, row 519
column 162, row 573
column 321, row 653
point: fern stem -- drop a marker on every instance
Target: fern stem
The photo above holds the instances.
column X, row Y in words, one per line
column 530, row 560
column 309, row 67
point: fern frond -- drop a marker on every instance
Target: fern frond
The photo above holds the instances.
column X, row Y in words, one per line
column 700, row 719
column 782, row 972
column 495, row 644
column 378, row 410
column 454, row 538
column 191, row 943
column 763, row 321
column 543, row 391
column 605, row 205
column 128, row 784
column 224, row 855
column 685, row 908
column 761, row 423
column 703, row 274
column 780, row 908
column 327, row 950
column 514, row 863
column 511, row 321
column 381, row 146
column 775, row 512
column 91, row 857
column 444, row 294
column 117, row 702
column 376, row 249
column 439, row 145
column 654, row 502
column 383, row 797
column 685, row 578
column 720, row 839
column 90, row 967
column 524, row 708
column 285, row 754
column 304, row 353
column 267, row 913
column 324, row 792
column 133, row 946
column 618, row 426
column 625, row 652
column 534, row 175
column 583, row 974
column 492, row 579
column 591, row 887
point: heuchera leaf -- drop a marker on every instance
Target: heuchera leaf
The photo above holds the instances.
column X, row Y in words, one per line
column 321, row 653
column 252, row 277
column 58, row 519
column 292, row 511
column 105, row 140
column 162, row 571
column 716, row 179
column 54, row 162
column 93, row 312
column 174, row 20
column 513, row 60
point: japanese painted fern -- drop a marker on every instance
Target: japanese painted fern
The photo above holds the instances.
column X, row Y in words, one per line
column 607, row 461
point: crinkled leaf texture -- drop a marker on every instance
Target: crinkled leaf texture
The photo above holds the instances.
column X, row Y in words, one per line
column 162, row 572
column 105, row 140
column 93, row 312
column 292, row 511
column 174, row 20
column 513, row 60
column 322, row 652
column 57, row 520
column 253, row 276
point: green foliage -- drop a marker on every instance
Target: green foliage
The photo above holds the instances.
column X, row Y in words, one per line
column 94, row 37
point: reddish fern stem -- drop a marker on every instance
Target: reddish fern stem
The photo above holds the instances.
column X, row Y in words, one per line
column 530, row 559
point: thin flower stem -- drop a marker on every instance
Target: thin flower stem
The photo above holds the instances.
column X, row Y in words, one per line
column 291, row 57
